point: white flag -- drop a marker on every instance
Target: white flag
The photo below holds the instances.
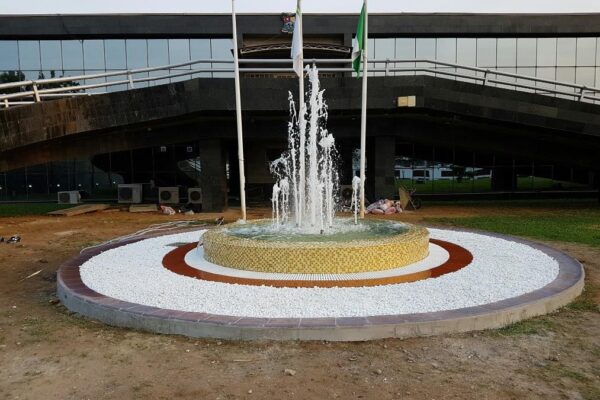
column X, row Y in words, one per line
column 297, row 43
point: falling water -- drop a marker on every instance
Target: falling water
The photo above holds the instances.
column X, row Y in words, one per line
column 354, row 201
column 311, row 201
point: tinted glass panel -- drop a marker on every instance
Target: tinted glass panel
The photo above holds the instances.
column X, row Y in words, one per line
column 72, row 54
column 546, row 52
column 93, row 54
column 29, row 54
column 9, row 54
column 486, row 52
column 565, row 74
column 526, row 52
column 179, row 51
column 586, row 51
column 546, row 73
column 565, row 51
column 384, row 48
column 405, row 48
column 446, row 50
column 221, row 49
column 426, row 48
column 115, row 54
column 466, row 51
column 51, row 54
column 158, row 52
column 585, row 76
column 200, row 50
column 507, row 52
column 137, row 53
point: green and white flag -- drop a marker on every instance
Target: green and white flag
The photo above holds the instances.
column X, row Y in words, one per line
column 297, row 42
column 358, row 44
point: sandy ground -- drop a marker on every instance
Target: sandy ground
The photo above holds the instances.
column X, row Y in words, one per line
column 46, row 352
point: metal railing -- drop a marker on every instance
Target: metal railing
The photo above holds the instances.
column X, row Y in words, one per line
column 32, row 91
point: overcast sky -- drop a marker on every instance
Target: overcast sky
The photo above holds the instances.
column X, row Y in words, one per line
column 309, row 6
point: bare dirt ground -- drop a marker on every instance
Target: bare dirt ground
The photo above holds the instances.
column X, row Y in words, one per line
column 46, row 352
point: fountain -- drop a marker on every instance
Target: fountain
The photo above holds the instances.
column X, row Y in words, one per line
column 303, row 235
column 306, row 274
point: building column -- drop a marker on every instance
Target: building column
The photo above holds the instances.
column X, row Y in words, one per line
column 213, row 178
column 381, row 160
column 346, row 151
column 504, row 176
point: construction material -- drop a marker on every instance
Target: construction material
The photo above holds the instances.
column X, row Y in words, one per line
column 78, row 210
column 136, row 208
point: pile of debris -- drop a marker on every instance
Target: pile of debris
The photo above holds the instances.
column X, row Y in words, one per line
column 12, row 239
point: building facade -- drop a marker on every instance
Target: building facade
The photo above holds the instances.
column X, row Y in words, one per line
column 562, row 48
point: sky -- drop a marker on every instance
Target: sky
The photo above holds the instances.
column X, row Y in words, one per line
column 308, row 6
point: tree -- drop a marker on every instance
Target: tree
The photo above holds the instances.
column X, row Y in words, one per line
column 9, row 77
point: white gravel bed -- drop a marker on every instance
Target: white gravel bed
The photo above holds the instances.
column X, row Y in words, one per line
column 500, row 269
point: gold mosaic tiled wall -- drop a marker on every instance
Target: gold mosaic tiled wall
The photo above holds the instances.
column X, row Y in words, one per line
column 316, row 257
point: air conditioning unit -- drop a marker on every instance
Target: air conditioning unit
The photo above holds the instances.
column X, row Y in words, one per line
column 168, row 194
column 130, row 193
column 195, row 195
column 70, row 197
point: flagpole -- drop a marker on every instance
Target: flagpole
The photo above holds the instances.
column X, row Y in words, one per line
column 301, row 123
column 238, row 112
column 363, row 112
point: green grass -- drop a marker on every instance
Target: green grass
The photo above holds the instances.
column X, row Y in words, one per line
column 577, row 226
column 20, row 209
column 534, row 326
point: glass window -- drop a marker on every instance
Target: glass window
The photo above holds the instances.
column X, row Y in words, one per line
column 72, row 51
column 179, row 51
column 586, row 51
column 137, row 53
column 115, row 54
column 446, row 50
column 9, row 54
column 565, row 52
column 526, row 52
column 526, row 71
column 51, row 55
column 466, row 51
column 93, row 54
column 29, row 54
column 384, row 48
column 507, row 52
column 405, row 48
column 546, row 52
column 546, row 73
column 95, row 81
column 565, row 74
column 486, row 52
column 221, row 49
column 158, row 52
column 425, row 49
column 200, row 50
column 585, row 76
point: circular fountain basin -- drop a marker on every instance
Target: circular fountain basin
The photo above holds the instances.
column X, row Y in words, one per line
column 370, row 245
